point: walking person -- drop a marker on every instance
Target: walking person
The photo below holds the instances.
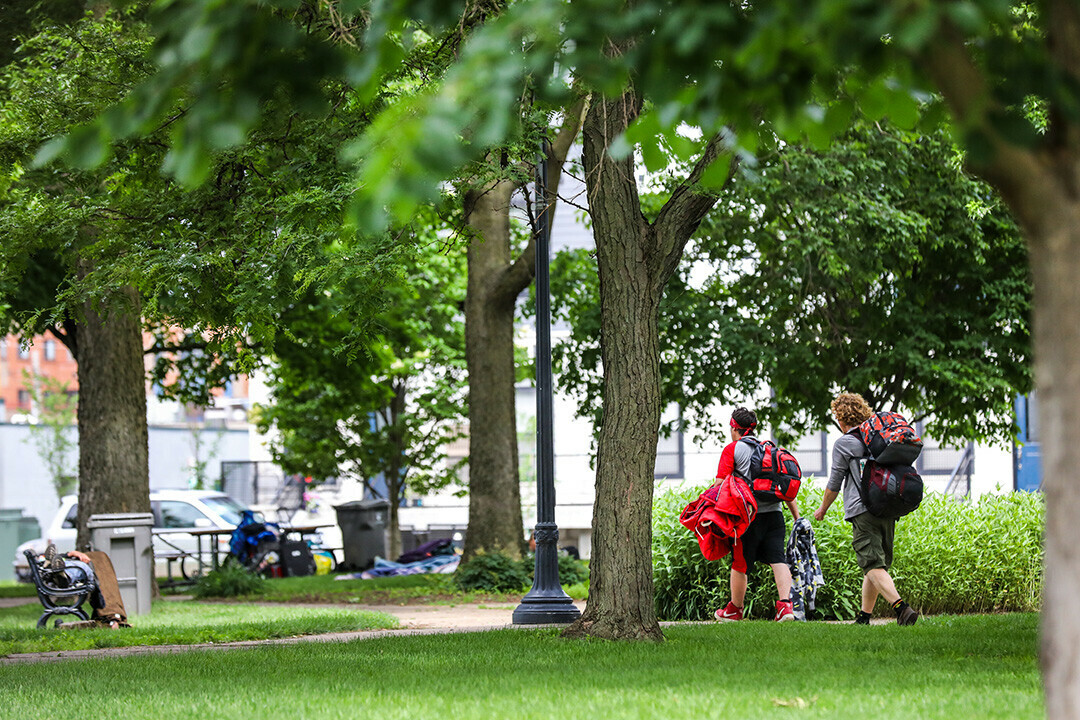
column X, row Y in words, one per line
column 872, row 537
column 765, row 538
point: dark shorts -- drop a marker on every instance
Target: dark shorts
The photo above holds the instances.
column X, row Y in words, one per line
column 872, row 539
column 764, row 541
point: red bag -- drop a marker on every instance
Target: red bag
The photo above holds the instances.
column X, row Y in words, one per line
column 720, row 516
column 890, row 439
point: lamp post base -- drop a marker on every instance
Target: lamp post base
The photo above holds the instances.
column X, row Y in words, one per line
column 546, row 611
column 546, row 603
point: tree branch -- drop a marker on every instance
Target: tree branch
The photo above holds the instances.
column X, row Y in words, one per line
column 1024, row 179
column 520, row 273
column 688, row 204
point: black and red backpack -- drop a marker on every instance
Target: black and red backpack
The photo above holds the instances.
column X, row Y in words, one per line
column 888, row 485
column 774, row 472
column 890, row 439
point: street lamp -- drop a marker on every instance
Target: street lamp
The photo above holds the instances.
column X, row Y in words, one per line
column 545, row 603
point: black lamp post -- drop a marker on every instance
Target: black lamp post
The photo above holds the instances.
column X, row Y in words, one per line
column 545, row 603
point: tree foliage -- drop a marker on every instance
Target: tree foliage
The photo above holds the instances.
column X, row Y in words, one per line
column 387, row 411
column 877, row 266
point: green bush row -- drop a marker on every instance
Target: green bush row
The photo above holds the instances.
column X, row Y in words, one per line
column 950, row 557
column 496, row 572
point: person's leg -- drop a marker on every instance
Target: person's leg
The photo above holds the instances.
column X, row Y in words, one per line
column 882, row 583
column 738, row 588
column 782, row 576
column 869, row 595
column 112, row 603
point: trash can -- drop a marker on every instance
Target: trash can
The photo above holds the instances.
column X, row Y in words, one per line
column 363, row 532
column 128, row 541
column 14, row 531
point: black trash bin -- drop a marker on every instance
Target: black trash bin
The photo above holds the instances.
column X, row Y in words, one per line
column 363, row 532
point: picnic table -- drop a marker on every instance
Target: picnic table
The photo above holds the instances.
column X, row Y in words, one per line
column 215, row 551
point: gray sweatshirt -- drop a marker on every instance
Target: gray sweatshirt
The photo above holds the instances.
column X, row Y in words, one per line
column 846, row 449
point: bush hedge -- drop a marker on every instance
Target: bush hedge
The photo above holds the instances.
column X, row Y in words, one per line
column 496, row 572
column 950, row 557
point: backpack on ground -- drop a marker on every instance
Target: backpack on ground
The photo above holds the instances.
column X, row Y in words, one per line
column 890, row 491
column 774, row 472
column 890, row 439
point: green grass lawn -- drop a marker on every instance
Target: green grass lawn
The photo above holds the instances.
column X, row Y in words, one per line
column 944, row 667
column 183, row 623
column 11, row 589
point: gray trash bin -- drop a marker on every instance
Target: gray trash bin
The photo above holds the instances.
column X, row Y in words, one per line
column 128, row 541
column 14, row 531
column 363, row 531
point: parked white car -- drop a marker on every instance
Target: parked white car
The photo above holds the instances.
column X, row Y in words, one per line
column 174, row 512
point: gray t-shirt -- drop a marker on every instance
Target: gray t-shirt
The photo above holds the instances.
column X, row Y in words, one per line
column 847, row 448
column 743, row 454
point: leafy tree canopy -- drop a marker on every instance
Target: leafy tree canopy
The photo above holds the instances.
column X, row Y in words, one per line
column 218, row 261
column 390, row 409
column 877, row 266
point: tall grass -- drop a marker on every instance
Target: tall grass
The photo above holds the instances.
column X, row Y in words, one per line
column 951, row 557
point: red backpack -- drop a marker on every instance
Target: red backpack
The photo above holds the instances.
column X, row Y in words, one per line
column 774, row 472
column 890, row 439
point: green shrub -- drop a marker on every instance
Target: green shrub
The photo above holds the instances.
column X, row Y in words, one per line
column 951, row 557
column 571, row 571
column 229, row 580
column 492, row 572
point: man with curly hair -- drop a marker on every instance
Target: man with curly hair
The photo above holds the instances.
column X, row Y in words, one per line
column 872, row 537
column 764, row 539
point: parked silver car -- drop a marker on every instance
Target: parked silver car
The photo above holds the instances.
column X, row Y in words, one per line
column 175, row 511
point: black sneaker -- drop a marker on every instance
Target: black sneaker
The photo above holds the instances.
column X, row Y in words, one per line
column 907, row 616
column 863, row 618
column 49, row 554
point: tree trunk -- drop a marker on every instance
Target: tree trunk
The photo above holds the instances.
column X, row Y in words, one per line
column 621, row 583
column 635, row 261
column 494, row 487
column 394, row 475
column 114, row 475
column 1055, row 265
column 494, row 284
column 1039, row 185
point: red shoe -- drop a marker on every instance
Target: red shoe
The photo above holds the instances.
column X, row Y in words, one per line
column 784, row 611
column 730, row 613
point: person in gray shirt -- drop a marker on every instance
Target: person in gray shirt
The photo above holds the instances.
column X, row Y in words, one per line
column 872, row 537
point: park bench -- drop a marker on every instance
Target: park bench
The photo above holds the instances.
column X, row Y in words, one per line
column 52, row 596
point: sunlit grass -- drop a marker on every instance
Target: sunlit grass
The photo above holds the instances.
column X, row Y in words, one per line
column 944, row 667
column 183, row 623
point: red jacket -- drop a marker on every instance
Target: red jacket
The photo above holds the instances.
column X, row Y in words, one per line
column 720, row 516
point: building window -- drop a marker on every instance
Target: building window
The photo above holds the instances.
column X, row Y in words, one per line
column 24, row 398
column 669, row 450
column 24, row 352
column 3, row 349
column 50, row 349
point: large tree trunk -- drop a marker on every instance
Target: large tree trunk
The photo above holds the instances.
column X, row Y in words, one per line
column 493, row 286
column 1055, row 263
column 635, row 261
column 621, row 583
column 494, row 488
column 114, row 475
column 1040, row 186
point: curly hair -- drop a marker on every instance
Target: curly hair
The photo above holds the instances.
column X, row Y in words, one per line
column 850, row 409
